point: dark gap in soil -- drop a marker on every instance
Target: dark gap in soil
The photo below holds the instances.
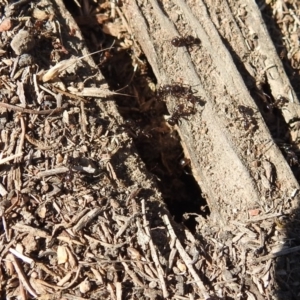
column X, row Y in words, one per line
column 158, row 145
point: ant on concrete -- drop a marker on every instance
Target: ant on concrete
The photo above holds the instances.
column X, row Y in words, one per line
column 248, row 118
column 185, row 41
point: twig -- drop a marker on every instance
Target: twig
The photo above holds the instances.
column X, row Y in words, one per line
column 276, row 254
column 60, row 287
column 22, row 138
column 11, row 157
column 21, row 275
column 70, row 95
column 21, row 256
column 132, row 275
column 33, row 231
column 263, row 217
column 87, row 218
column 83, row 122
column 118, row 286
column 52, row 172
column 40, row 145
column 5, row 228
column 186, row 258
column 104, row 244
column 154, row 255
column 31, row 111
column 125, row 226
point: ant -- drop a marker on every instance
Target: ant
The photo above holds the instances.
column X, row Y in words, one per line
column 248, row 118
column 185, row 41
column 184, row 162
column 179, row 90
column 174, row 90
column 290, row 154
column 105, row 57
column 279, row 103
column 178, row 113
column 191, row 98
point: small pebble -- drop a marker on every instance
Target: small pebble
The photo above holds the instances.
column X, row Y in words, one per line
column 25, row 60
column 22, row 42
column 6, row 25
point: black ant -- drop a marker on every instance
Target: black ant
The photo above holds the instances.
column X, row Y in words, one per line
column 69, row 176
column 105, row 57
column 178, row 90
column 174, row 90
column 248, row 118
column 279, row 103
column 185, row 165
column 178, row 113
column 184, row 162
column 191, row 98
column 185, row 41
column 290, row 154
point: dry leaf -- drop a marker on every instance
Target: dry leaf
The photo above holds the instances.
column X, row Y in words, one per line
column 181, row 266
column 66, row 117
column 101, row 18
column 62, row 254
column 58, row 68
column 42, row 211
column 254, row 212
column 39, row 14
column 133, row 253
column 85, row 286
column 113, row 29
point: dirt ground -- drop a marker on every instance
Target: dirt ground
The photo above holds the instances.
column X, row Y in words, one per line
column 149, row 149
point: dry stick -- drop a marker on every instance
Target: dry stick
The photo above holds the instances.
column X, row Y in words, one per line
column 276, row 254
column 23, row 127
column 186, row 258
column 104, row 244
column 32, row 111
column 5, row 228
column 52, row 172
column 133, row 276
column 72, row 297
column 26, row 259
column 53, row 72
column 84, row 121
column 21, row 275
column 9, row 158
column 22, row 139
column 60, row 287
column 263, row 217
column 87, row 218
column 70, row 95
column 118, row 286
column 30, row 230
column 154, row 256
